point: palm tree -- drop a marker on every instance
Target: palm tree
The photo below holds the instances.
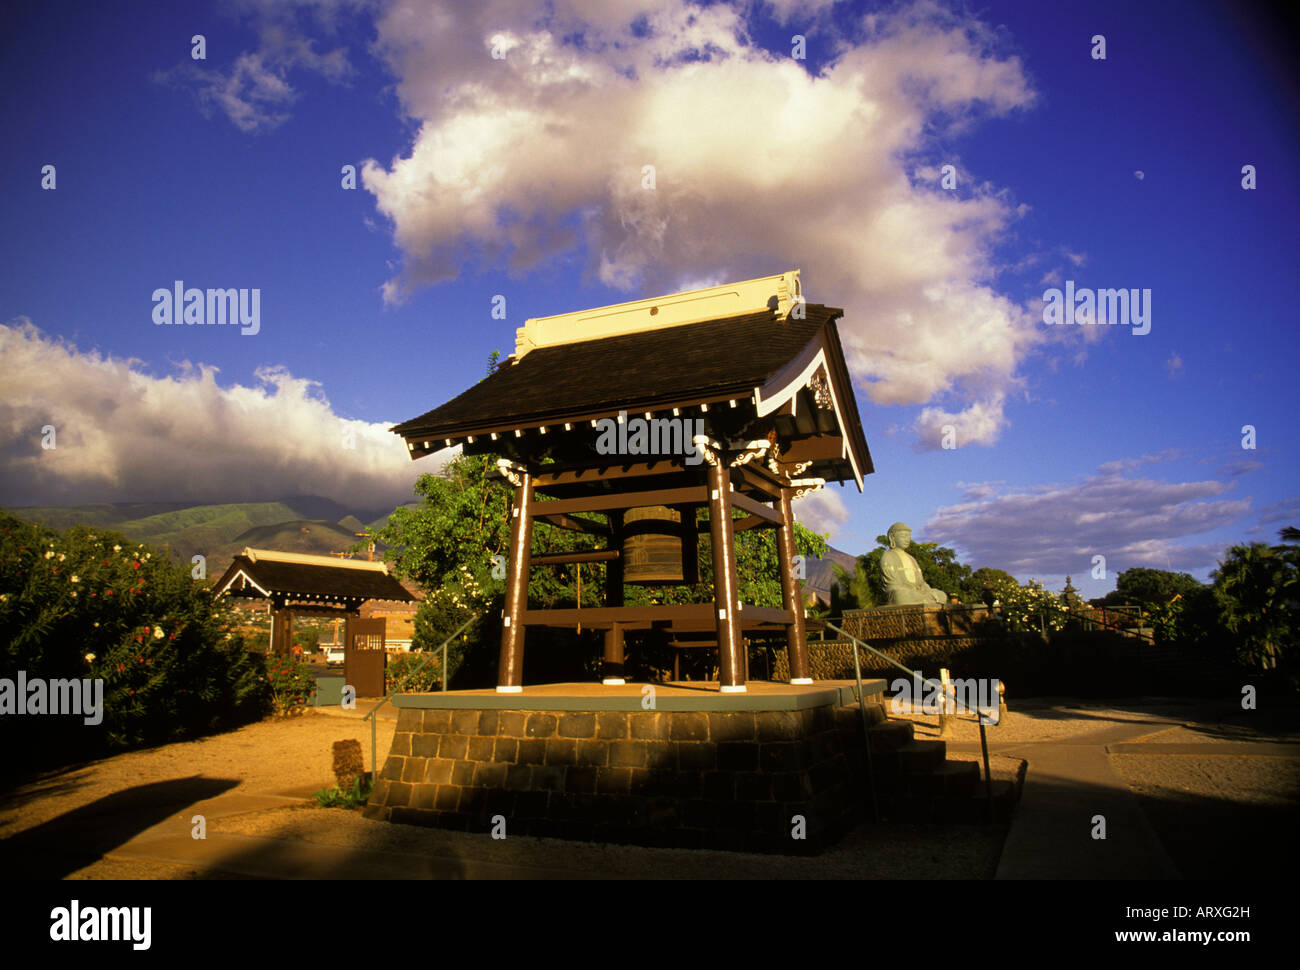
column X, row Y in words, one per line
column 1251, row 587
column 852, row 592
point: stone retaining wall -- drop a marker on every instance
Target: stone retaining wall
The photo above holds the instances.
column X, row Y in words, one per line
column 682, row 778
column 833, row 659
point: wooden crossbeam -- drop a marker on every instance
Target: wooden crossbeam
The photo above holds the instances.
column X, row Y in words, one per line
column 564, row 558
column 575, row 523
column 626, row 500
column 754, row 508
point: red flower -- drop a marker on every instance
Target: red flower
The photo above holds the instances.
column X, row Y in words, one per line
column 135, row 565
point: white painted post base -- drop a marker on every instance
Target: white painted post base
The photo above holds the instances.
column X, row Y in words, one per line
column 801, row 680
column 509, row 690
column 737, row 689
column 613, row 681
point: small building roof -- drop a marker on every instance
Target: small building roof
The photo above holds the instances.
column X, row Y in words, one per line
column 302, row 578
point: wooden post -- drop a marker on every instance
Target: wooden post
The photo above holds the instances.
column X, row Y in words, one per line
column 614, row 567
column 792, row 596
column 281, row 633
column 944, row 729
column 612, row 669
column 510, row 668
column 726, row 600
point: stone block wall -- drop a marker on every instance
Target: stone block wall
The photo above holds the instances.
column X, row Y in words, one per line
column 682, row 778
column 833, row 659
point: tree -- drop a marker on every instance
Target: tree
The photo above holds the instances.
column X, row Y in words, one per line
column 985, row 579
column 1150, row 587
column 852, row 592
column 1253, row 586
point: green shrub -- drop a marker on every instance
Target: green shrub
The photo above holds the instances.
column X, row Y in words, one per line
column 354, row 797
column 427, row 678
column 88, row 603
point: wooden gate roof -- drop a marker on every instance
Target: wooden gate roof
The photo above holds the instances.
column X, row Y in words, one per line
column 265, row 573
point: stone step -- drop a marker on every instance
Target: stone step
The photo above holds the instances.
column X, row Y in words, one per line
column 950, row 779
column 890, row 735
column 970, row 809
column 918, row 756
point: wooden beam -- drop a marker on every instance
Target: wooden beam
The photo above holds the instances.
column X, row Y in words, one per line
column 586, row 474
column 742, row 501
column 574, row 523
column 602, row 616
column 564, row 558
column 624, row 500
column 760, row 479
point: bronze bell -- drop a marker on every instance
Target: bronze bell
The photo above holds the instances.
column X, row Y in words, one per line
column 653, row 541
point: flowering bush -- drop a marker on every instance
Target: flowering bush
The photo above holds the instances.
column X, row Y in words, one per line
column 292, row 684
column 1030, row 607
column 86, row 603
column 427, row 678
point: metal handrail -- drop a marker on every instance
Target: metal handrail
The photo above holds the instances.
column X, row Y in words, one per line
column 1088, row 616
column 915, row 673
column 981, row 715
column 374, row 762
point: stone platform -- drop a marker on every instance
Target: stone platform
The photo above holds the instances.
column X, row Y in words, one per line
column 591, row 762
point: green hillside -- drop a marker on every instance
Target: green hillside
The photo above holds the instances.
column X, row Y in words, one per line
column 317, row 538
column 217, row 531
column 203, row 528
column 104, row 516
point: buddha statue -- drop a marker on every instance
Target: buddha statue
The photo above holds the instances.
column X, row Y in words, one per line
column 904, row 584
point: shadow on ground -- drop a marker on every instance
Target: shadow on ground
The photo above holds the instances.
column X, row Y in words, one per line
column 77, row 838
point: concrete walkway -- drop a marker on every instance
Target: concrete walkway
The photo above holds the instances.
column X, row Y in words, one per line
column 1068, row 785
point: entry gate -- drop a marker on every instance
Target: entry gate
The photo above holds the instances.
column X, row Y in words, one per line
column 363, row 655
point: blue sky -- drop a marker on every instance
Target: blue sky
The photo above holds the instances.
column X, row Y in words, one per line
column 520, row 176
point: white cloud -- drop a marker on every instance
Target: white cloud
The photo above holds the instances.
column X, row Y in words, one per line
column 821, row 511
column 527, row 159
column 123, row 435
column 254, row 92
column 1057, row 529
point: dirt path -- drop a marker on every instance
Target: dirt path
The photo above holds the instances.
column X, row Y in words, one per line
column 90, row 814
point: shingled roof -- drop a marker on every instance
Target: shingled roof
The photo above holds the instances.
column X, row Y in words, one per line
column 270, row 574
column 710, row 361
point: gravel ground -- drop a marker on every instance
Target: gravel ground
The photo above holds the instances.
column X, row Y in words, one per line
column 1220, row 816
column 1046, row 720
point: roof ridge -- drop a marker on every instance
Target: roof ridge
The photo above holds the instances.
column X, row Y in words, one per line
column 308, row 559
